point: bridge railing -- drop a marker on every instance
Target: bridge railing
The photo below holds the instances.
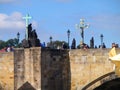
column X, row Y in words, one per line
column 100, row 80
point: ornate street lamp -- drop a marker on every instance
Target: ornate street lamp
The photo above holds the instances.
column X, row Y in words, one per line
column 82, row 26
column 101, row 36
column 51, row 46
column 18, row 36
column 68, row 34
column 50, row 39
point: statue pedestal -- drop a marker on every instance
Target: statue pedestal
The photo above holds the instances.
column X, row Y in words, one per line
column 26, row 43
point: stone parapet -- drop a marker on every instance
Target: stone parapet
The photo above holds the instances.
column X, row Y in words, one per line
column 6, row 71
column 52, row 69
column 27, row 69
column 87, row 65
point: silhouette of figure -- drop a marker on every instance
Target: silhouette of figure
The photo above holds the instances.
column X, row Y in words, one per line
column 92, row 43
column 64, row 46
column 73, row 46
column 32, row 41
column 29, row 30
column 104, row 46
column 34, row 34
column 82, row 33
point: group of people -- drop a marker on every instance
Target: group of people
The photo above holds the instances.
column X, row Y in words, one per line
column 7, row 49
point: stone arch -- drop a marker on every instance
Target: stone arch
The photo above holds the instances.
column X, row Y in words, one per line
column 101, row 80
column 110, row 85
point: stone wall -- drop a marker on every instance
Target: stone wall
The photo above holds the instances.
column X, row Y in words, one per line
column 6, row 71
column 27, row 71
column 49, row 69
column 87, row 65
column 42, row 69
column 55, row 66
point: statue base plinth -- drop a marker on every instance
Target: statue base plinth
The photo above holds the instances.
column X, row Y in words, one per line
column 26, row 43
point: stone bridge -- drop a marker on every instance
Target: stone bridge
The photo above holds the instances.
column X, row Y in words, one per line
column 72, row 70
column 99, row 81
column 88, row 65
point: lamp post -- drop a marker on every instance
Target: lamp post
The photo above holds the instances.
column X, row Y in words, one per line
column 82, row 26
column 51, row 42
column 50, row 39
column 101, row 36
column 18, row 36
column 68, row 34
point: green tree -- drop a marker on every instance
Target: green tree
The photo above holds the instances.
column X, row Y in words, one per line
column 2, row 44
column 12, row 42
column 56, row 44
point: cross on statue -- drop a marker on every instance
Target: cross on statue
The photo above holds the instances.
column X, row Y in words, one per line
column 82, row 26
column 27, row 17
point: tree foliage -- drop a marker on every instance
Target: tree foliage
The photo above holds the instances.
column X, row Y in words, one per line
column 57, row 43
column 2, row 44
column 10, row 42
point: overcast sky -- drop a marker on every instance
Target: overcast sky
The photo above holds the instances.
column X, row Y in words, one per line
column 55, row 17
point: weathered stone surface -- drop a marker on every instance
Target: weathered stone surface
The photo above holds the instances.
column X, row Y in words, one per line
column 6, row 71
column 87, row 65
column 29, row 69
column 55, row 66
column 49, row 69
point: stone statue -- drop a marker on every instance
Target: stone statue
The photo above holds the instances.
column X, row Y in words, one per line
column 92, row 43
column 73, row 46
column 33, row 40
column 29, row 30
column 34, row 34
